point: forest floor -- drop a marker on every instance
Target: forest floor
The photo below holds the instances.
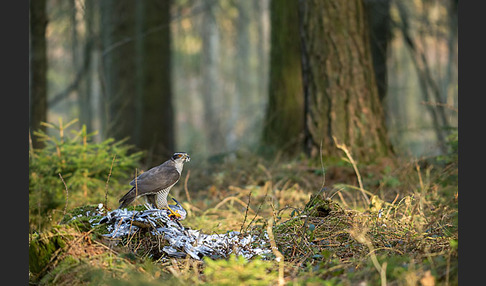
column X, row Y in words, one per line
column 319, row 219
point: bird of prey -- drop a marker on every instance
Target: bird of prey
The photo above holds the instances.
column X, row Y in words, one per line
column 154, row 185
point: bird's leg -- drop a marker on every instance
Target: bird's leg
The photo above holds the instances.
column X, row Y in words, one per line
column 148, row 206
column 173, row 213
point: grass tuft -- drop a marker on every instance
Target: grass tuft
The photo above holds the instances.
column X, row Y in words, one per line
column 327, row 235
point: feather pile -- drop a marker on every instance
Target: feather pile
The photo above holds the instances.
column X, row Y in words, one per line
column 181, row 241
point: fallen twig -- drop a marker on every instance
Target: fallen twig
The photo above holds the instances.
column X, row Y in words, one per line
column 278, row 254
column 67, row 195
column 106, row 185
column 185, row 186
column 246, row 212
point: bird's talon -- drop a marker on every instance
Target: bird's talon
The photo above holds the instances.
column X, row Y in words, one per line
column 173, row 214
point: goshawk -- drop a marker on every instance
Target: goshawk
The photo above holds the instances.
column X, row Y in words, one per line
column 154, row 185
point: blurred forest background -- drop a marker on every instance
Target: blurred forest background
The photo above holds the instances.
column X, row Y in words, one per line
column 280, row 104
column 213, row 77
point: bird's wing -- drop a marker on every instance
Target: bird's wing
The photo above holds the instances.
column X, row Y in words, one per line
column 157, row 178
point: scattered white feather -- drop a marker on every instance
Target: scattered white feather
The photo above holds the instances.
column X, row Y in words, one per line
column 184, row 241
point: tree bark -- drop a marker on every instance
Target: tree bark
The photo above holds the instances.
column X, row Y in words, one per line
column 84, row 91
column 38, row 69
column 156, row 124
column 211, row 84
column 118, row 68
column 284, row 118
column 378, row 15
column 137, row 69
column 340, row 87
column 263, row 44
column 428, row 85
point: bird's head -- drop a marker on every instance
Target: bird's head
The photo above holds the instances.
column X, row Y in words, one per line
column 181, row 157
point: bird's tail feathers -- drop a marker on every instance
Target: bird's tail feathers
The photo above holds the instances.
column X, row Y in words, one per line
column 127, row 199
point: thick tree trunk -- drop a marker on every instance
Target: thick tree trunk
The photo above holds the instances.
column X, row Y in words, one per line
column 136, row 64
column 38, row 69
column 284, row 117
column 156, row 124
column 340, row 88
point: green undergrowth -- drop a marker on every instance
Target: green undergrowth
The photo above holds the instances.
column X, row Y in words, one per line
column 237, row 270
column 323, row 226
column 72, row 170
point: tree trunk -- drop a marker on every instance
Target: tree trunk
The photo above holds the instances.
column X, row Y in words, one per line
column 118, row 68
column 378, row 15
column 243, row 77
column 340, row 88
column 427, row 83
column 211, row 85
column 262, row 46
column 137, row 83
column 84, row 90
column 154, row 88
column 38, row 69
column 284, row 116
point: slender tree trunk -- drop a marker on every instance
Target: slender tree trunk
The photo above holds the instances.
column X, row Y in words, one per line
column 261, row 50
column 38, row 68
column 118, row 68
column 427, row 84
column 340, row 88
column 448, row 88
column 378, row 15
column 84, row 91
column 210, row 85
column 283, row 124
column 263, row 44
column 243, row 87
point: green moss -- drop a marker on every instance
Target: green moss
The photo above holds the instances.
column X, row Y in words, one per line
column 64, row 266
column 42, row 248
column 318, row 206
column 82, row 211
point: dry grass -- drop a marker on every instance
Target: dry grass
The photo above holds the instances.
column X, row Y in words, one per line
column 407, row 233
